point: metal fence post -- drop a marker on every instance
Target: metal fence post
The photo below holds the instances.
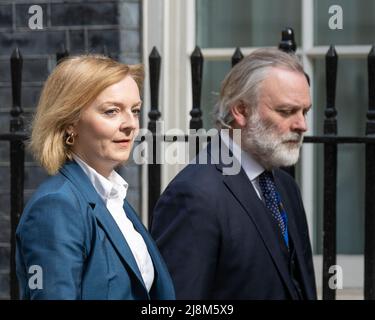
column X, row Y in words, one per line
column 330, row 176
column 237, row 56
column 196, row 59
column 60, row 55
column 369, row 285
column 288, row 45
column 196, row 123
column 154, row 168
column 17, row 158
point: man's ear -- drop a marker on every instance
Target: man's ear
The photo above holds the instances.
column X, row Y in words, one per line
column 240, row 115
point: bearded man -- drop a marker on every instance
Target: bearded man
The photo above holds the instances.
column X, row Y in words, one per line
column 244, row 235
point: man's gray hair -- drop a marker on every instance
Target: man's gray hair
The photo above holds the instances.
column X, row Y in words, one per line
column 243, row 82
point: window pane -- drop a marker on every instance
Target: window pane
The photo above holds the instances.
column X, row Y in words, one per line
column 213, row 74
column 358, row 22
column 351, row 104
column 245, row 23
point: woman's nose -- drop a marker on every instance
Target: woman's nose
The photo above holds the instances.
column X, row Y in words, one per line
column 129, row 121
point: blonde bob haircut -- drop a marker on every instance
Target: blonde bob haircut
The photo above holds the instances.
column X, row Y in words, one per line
column 73, row 85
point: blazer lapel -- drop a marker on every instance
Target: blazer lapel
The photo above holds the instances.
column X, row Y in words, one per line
column 242, row 189
column 75, row 174
column 142, row 230
column 117, row 239
column 162, row 282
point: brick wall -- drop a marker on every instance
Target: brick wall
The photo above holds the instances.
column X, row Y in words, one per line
column 81, row 26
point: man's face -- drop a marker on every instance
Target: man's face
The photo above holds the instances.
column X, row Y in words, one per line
column 274, row 130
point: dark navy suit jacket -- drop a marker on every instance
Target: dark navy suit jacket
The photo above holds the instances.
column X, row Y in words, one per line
column 67, row 231
column 220, row 242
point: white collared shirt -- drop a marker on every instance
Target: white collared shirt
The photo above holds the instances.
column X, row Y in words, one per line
column 113, row 192
column 251, row 167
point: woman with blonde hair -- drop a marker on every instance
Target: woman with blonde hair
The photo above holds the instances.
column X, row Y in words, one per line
column 78, row 238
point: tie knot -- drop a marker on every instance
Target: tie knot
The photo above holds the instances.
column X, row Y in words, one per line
column 266, row 175
column 266, row 182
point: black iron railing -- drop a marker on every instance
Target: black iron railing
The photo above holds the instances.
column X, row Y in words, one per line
column 16, row 137
column 330, row 140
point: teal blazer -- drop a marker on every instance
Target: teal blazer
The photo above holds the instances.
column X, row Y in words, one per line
column 70, row 247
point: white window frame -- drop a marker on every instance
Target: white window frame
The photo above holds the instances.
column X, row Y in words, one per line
column 170, row 25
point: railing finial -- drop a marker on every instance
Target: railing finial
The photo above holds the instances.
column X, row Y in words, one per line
column 196, row 59
column 287, row 43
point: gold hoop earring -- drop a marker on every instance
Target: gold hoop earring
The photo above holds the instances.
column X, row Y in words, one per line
column 70, row 139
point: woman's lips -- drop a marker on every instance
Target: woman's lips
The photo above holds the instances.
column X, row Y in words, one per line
column 123, row 143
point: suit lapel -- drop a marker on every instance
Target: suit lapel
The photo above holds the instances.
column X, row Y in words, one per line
column 294, row 233
column 242, row 189
column 75, row 174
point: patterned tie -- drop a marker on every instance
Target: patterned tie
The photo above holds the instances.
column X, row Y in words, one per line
column 273, row 202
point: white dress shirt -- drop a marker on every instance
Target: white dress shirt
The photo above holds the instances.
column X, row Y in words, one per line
column 251, row 167
column 113, row 192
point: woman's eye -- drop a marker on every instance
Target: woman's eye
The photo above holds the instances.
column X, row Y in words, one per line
column 136, row 111
column 111, row 112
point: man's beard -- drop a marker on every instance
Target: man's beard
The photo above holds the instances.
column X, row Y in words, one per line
column 269, row 148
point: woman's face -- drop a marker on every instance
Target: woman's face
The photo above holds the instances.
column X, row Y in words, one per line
column 105, row 133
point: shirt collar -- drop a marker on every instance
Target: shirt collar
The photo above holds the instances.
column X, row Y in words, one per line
column 108, row 188
column 251, row 167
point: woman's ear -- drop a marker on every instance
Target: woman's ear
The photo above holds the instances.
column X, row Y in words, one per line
column 70, row 129
column 240, row 115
